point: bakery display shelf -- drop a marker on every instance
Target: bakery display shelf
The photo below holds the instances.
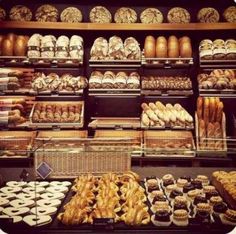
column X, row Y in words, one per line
column 217, row 63
column 166, row 93
column 114, row 92
column 211, row 151
column 20, row 91
column 115, row 26
column 114, row 123
column 167, row 62
column 13, row 61
column 115, row 63
column 56, row 93
column 222, row 93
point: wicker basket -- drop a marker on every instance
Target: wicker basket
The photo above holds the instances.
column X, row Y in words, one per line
column 16, row 143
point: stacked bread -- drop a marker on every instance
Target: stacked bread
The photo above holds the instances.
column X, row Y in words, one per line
column 49, row 47
column 217, row 79
column 171, row 48
column 12, row 111
column 166, row 83
column 110, row 80
column 210, row 128
column 57, row 113
column 217, row 49
column 13, row 45
column 161, row 116
column 104, row 198
column 54, row 82
column 115, row 49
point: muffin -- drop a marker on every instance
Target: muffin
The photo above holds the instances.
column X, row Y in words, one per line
column 161, row 218
column 188, row 187
column 174, row 193
column 215, row 200
column 180, row 217
column 199, row 199
column 197, row 184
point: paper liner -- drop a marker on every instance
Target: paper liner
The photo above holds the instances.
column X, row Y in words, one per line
column 159, row 223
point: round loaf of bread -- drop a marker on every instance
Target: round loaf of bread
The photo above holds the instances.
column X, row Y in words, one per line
column 161, row 47
column 100, row 14
column 47, row 13
column 178, row 15
column 20, row 46
column 71, row 15
column 20, row 13
column 230, row 14
column 151, row 16
column 125, row 15
column 150, row 47
column 208, row 15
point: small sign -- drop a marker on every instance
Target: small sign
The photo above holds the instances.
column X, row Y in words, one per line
column 44, row 170
column 103, row 224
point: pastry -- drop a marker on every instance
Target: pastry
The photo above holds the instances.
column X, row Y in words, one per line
column 18, row 203
column 2, row 14
column 181, row 183
column 71, row 15
column 99, row 50
column 211, row 194
column 215, row 200
column 202, row 216
column 36, row 220
column 48, row 203
column 20, row 13
column 180, row 217
column 204, row 179
column 43, row 210
column 100, row 14
column 208, row 15
column 169, row 188
column 152, row 185
column 188, row 187
column 46, row 13
column 197, row 184
column 199, row 199
column 12, row 211
column 230, row 14
column 230, row 215
column 174, row 193
column 178, row 15
column 219, row 208
column 125, row 15
column 188, row 178
column 116, row 48
column 192, row 194
column 151, row 16
column 161, row 218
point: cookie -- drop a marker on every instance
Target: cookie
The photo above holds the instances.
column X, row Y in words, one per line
column 48, row 203
column 16, row 183
column 8, row 190
column 151, row 16
column 125, row 15
column 43, row 210
column 71, row 15
column 208, row 15
column 230, row 14
column 35, row 220
column 20, row 13
column 12, row 211
column 178, row 15
column 100, row 14
column 38, row 183
column 47, row 13
column 2, row 14
column 18, row 203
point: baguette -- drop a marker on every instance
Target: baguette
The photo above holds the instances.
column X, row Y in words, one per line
column 145, row 119
column 145, row 106
column 152, row 106
column 199, row 107
column 202, row 134
column 219, row 112
column 218, row 135
column 206, row 111
column 160, row 106
column 210, row 136
column 212, row 109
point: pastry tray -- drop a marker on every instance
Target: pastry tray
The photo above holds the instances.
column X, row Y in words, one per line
column 114, row 63
column 167, row 62
column 155, row 92
column 114, row 92
column 212, row 152
column 115, row 123
column 217, row 63
column 58, row 125
column 173, row 137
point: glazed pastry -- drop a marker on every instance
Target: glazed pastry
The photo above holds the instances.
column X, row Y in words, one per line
column 71, row 15
column 20, row 13
column 151, row 16
column 178, row 15
column 230, row 14
column 208, row 15
column 100, row 14
column 125, row 15
column 46, row 13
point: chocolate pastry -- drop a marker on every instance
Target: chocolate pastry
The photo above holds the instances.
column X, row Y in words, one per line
column 174, row 193
column 162, row 215
column 197, row 184
column 199, row 199
column 202, row 216
column 220, row 207
column 168, row 182
column 158, row 199
column 188, row 187
column 151, row 177
column 211, row 194
column 153, row 187
column 188, row 178
column 180, row 206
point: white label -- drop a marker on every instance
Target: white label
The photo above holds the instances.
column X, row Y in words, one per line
column 3, row 118
column 95, row 79
column 204, row 53
column 4, row 83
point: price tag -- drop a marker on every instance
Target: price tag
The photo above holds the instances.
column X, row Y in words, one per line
column 103, row 224
column 44, row 170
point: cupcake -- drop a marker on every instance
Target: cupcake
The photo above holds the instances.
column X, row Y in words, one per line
column 192, row 194
column 210, row 194
column 181, row 183
column 215, row 200
column 203, row 207
column 188, row 187
column 197, row 184
column 204, row 179
column 175, row 193
column 203, row 216
column 199, row 199
column 161, row 218
column 180, row 217
column 152, row 185
column 188, row 178
column 229, row 217
column 219, row 208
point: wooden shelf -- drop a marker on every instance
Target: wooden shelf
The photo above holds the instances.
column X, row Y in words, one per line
column 115, row 26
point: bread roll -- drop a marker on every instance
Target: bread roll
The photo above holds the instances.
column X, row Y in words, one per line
column 185, row 47
column 20, row 46
column 11, row 37
column 7, row 47
column 219, row 112
column 199, row 107
column 161, row 47
column 150, row 47
column 173, row 47
column 206, row 111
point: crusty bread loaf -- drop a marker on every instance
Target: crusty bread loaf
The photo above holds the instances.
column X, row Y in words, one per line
column 150, row 47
